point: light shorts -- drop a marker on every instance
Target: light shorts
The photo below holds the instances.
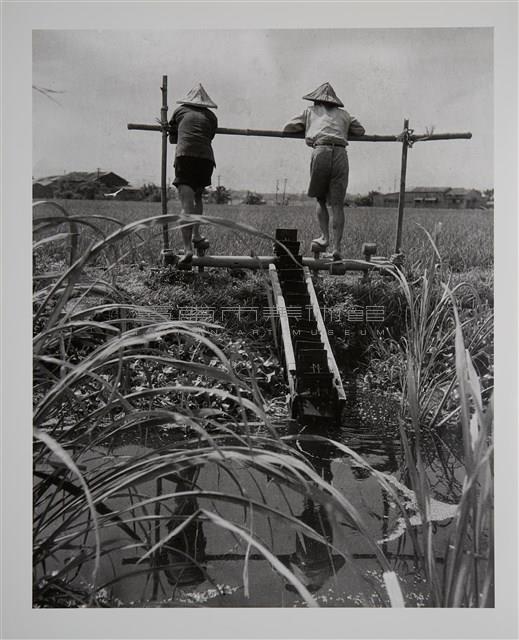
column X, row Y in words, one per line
column 329, row 171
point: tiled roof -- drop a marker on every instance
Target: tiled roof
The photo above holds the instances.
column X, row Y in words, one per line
column 459, row 192
column 85, row 175
column 431, row 189
column 46, row 181
column 80, row 176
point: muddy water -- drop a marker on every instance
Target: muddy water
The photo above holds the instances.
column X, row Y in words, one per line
column 210, row 566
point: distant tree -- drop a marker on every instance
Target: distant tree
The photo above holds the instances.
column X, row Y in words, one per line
column 151, row 192
column 87, row 190
column 253, row 198
column 488, row 193
column 362, row 201
column 366, row 201
column 219, row 195
column 82, row 190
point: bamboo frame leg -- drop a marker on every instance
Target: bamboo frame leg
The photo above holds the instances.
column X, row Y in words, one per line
column 401, row 198
column 164, row 160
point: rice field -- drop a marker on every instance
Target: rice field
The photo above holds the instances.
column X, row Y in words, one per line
column 465, row 242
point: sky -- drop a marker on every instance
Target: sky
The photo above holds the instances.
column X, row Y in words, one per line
column 441, row 78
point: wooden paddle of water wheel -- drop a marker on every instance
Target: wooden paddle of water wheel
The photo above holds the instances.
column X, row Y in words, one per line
column 315, row 386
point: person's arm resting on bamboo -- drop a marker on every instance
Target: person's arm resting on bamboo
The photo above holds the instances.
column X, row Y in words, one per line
column 355, row 128
column 296, row 124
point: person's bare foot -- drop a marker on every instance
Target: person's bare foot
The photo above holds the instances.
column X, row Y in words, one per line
column 320, row 244
column 186, row 259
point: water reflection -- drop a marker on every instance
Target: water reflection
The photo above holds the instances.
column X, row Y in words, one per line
column 312, row 562
column 202, row 564
column 185, row 554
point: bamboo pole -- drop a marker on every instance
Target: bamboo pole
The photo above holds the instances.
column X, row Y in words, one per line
column 332, row 365
column 401, row 197
column 264, row 262
column 267, row 133
column 288, row 348
column 424, row 137
column 163, row 175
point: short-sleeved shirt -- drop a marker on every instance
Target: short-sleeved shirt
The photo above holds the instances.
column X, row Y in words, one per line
column 192, row 129
column 325, row 124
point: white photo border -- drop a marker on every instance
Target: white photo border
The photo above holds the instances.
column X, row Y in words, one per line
column 19, row 619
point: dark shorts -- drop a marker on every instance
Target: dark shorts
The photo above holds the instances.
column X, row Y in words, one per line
column 329, row 171
column 195, row 172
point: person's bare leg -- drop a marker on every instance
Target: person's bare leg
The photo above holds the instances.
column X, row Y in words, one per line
column 199, row 211
column 337, row 226
column 187, row 202
column 324, row 221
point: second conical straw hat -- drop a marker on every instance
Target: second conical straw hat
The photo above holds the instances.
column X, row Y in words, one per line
column 324, row 93
column 198, row 97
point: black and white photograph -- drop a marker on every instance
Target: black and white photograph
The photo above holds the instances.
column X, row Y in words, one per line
column 264, row 318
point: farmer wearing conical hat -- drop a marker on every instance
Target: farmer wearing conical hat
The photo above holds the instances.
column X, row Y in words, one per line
column 327, row 127
column 192, row 128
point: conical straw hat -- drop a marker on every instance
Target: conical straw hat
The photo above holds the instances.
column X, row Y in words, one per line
column 198, row 97
column 324, row 93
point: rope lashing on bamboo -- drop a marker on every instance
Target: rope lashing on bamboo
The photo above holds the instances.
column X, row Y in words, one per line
column 407, row 137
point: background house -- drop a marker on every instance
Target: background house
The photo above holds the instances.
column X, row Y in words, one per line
column 44, row 187
column 107, row 178
column 465, row 199
column 77, row 184
column 433, row 197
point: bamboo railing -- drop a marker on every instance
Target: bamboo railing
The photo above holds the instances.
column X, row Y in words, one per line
column 272, row 133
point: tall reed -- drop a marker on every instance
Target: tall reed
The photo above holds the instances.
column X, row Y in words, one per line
column 434, row 327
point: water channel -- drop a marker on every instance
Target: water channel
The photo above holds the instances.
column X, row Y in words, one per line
column 210, row 566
